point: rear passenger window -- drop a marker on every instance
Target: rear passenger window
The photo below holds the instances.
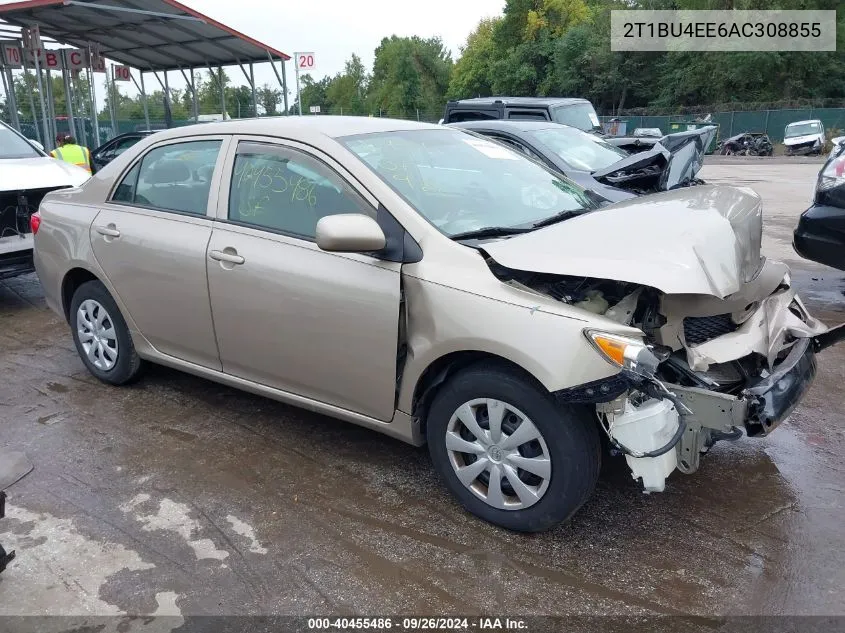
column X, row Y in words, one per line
column 174, row 177
column 457, row 116
column 287, row 191
column 527, row 115
column 125, row 191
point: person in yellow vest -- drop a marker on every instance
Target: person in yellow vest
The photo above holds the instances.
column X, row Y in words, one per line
column 68, row 151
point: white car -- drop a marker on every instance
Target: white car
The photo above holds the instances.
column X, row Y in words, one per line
column 27, row 173
column 804, row 137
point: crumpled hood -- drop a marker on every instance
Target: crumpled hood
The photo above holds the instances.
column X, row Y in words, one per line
column 673, row 161
column 807, row 138
column 697, row 240
column 18, row 174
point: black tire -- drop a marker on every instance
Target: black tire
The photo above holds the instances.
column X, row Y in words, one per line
column 128, row 365
column 570, row 434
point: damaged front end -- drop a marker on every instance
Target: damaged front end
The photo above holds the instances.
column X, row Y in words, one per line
column 706, row 368
column 672, row 162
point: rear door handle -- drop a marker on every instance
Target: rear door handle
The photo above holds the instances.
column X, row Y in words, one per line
column 230, row 258
column 108, row 231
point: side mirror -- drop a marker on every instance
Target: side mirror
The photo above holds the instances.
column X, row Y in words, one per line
column 37, row 144
column 349, row 233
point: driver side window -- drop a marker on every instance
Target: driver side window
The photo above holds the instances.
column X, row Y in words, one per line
column 287, row 191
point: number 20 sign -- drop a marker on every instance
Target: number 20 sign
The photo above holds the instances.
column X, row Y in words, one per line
column 305, row 61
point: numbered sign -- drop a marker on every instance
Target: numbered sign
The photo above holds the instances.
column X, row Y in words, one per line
column 47, row 60
column 98, row 62
column 11, row 54
column 121, row 73
column 51, row 60
column 305, row 61
column 314, row 109
column 74, row 58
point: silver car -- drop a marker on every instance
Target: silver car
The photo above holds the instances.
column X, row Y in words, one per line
column 440, row 288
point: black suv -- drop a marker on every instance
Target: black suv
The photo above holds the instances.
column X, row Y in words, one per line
column 573, row 112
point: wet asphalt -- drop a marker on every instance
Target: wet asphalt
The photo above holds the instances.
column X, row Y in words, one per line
column 178, row 496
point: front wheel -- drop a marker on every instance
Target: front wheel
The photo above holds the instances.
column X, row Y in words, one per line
column 101, row 336
column 509, row 453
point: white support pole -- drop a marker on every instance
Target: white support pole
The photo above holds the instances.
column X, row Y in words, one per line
column 194, row 97
column 252, row 83
column 49, row 141
column 298, row 91
column 143, row 96
column 35, row 122
column 51, row 103
column 169, row 106
column 69, row 104
column 94, row 112
column 282, row 79
column 222, row 90
column 112, row 86
column 81, row 104
column 11, row 98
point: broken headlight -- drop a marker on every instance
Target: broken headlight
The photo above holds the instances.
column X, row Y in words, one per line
column 627, row 352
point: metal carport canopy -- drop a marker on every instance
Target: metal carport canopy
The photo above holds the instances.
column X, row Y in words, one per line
column 145, row 34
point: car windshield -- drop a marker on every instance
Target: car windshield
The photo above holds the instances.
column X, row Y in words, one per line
column 580, row 115
column 803, row 129
column 578, row 149
column 463, row 183
column 13, row 145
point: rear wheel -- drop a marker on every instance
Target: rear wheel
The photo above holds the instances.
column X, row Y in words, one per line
column 101, row 336
column 510, row 453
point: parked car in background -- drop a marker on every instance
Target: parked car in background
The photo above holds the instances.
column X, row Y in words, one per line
column 27, row 173
column 648, row 131
column 746, row 144
column 835, row 142
column 577, row 113
column 597, row 165
column 439, row 287
column 804, row 137
column 113, row 148
column 820, row 234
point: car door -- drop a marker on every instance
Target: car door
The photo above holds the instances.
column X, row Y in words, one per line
column 287, row 314
column 150, row 240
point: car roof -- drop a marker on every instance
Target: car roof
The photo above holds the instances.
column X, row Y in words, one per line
column 518, row 101
column 511, row 125
column 807, row 121
column 301, row 127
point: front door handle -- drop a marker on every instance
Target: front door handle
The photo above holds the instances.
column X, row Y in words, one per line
column 107, row 231
column 230, row 258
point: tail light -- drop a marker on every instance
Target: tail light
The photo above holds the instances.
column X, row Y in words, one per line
column 34, row 222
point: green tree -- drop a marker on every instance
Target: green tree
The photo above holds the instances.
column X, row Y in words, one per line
column 347, row 91
column 410, row 74
column 471, row 76
column 269, row 99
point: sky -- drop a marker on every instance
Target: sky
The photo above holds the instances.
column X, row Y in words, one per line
column 334, row 29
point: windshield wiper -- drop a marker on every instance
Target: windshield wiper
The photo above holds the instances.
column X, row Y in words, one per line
column 554, row 219
column 489, row 231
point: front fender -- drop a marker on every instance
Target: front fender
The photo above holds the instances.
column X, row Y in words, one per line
column 442, row 320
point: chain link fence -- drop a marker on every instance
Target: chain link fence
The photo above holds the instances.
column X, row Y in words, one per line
column 771, row 122
column 730, row 123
